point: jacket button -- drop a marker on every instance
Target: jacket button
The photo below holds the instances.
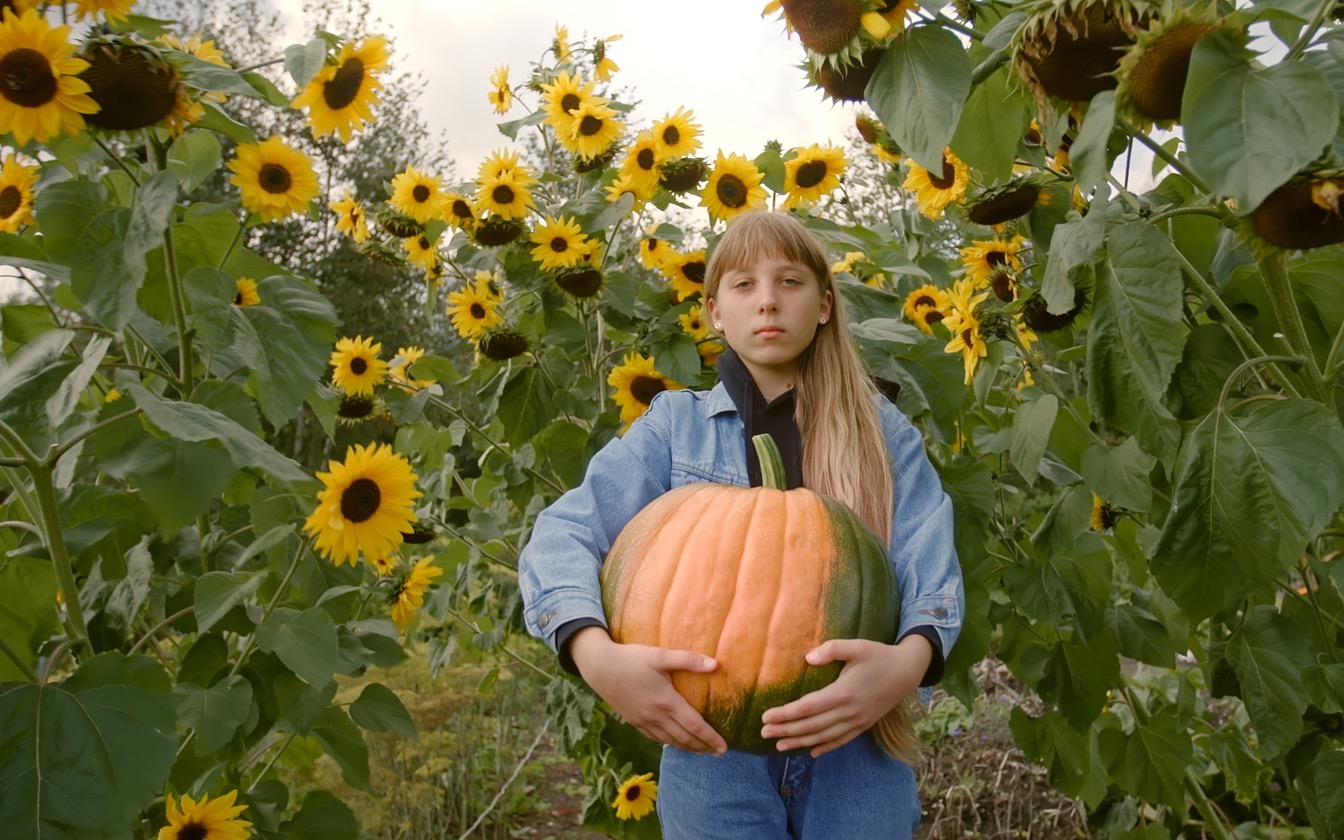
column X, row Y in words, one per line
column 940, row 612
column 545, row 618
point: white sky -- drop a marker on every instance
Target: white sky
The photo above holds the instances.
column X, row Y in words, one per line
column 737, row 71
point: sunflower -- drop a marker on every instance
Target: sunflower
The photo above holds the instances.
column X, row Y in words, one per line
column 934, row 193
column 560, row 243
column 351, row 218
column 386, row 565
column 247, row 292
column 275, row 179
column 734, row 187
column 358, row 370
column 693, row 324
column 501, row 344
column 1151, row 75
column 43, row 95
column 709, row 351
column 402, row 362
column 813, row 173
column 497, row 231
column 1103, row 516
column 593, row 131
column 132, row 83
column 603, row 66
column 654, row 252
column 204, row 819
column 683, row 175
column 986, row 260
column 458, row 211
column 560, row 44
column 642, row 159
column 365, row 504
column 17, row 181
column 505, row 195
column 847, row 262
column 562, row 97
column 421, row 252
column 964, row 325
column 340, row 98
column 637, row 381
column 1007, row 202
column 417, row 194
column 500, row 94
column 676, row 134
column 474, row 307
column 626, row 185
column 407, row 596
column 635, row 797
column 926, row 306
column 113, row 11
column 351, row 411
column 187, row 110
column 686, row 273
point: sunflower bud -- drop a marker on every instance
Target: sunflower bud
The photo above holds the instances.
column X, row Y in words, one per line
column 501, row 345
column 494, row 231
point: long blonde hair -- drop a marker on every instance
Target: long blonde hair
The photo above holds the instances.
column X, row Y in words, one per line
column 833, row 403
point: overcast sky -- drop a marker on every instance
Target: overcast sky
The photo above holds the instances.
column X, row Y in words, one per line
column 736, row 70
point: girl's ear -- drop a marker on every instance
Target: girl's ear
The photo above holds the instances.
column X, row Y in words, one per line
column 712, row 308
column 826, row 305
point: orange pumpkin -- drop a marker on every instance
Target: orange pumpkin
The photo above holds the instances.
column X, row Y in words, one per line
column 754, row 577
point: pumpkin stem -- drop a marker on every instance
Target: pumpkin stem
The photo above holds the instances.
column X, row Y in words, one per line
column 772, row 463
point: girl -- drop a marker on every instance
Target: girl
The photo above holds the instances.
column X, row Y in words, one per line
column 791, row 370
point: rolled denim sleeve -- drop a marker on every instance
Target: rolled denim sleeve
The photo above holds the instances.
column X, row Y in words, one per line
column 922, row 550
column 558, row 570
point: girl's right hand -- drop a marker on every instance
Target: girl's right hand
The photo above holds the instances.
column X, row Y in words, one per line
column 636, row 681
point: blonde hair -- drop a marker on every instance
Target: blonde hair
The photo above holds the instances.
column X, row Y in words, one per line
column 833, row 403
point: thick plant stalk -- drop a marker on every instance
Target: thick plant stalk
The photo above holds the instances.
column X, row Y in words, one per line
column 1274, row 270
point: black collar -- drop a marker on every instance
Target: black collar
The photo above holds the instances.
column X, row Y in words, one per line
column 759, row 416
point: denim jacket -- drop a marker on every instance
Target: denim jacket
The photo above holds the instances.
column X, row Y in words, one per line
column 696, row 436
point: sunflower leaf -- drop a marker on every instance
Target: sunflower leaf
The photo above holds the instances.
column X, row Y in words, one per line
column 992, row 126
column 305, row 641
column 344, row 742
column 525, row 406
column 919, row 89
column 218, row 592
column 215, row 713
column 30, row 379
column 1268, row 655
column 1250, row 490
column 1152, row 758
column 1031, row 432
column 1088, row 151
column 1135, row 338
column 1248, row 129
column 322, row 817
column 25, row 623
column 303, row 61
column 1050, row 741
column 378, row 709
column 64, row 749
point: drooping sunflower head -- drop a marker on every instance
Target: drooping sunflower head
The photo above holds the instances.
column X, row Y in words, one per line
column 927, row 306
column 505, row 195
column 934, row 191
column 1070, row 49
column 1037, row 315
column 683, row 175
column 497, row 231
column 686, row 274
column 845, row 84
column 341, row 96
column 352, row 411
column 205, row 818
column 366, row 504
column 836, row 32
column 1104, row 516
column 356, row 368
column 734, row 187
column 560, row 243
column 417, row 194
column 594, row 129
column 1302, row 214
column 677, row 134
column 635, row 797
column 474, row 308
column 637, row 381
column 189, row 109
column 813, row 173
column 275, row 179
column 1013, row 200
column 42, row 95
column 351, row 218
column 1151, row 74
column 502, row 343
column 18, row 182
column 132, row 83
column 581, row 281
column 500, row 94
column 409, row 593
column 395, row 222
column 247, row 292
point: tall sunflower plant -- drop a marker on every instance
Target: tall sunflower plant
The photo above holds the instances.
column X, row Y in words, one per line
column 1142, row 205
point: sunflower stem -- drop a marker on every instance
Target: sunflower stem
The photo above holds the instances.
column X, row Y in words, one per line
column 1274, row 270
column 266, row 613
column 19, row 662
column 1227, row 383
column 1186, row 211
column 55, row 454
column 185, row 373
column 1249, row 346
column 1172, row 160
column 54, row 536
column 237, row 237
column 493, row 444
column 1128, row 196
column 260, row 65
column 116, row 158
column 1323, row 8
column 153, row 631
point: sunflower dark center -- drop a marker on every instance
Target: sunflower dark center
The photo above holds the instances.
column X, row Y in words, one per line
column 360, row 501
column 949, row 175
column 695, row 324
column 632, row 793
column 420, row 193
column 694, row 271
column 355, row 408
column 423, row 242
column 932, row 316
column 645, row 388
column 645, row 160
column 732, row 192
column 811, row 173
column 26, row 78
column 461, row 209
column 671, row 135
column 358, row 366
column 344, row 85
column 502, row 194
column 559, row 244
column 570, row 102
column 994, row 259
column 274, row 178
column 968, row 337
column 11, row 199
column 477, row 311
column 193, row 831
column 925, row 300
column 590, row 125
column 238, row 298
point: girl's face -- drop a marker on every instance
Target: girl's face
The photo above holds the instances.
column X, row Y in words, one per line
column 769, row 311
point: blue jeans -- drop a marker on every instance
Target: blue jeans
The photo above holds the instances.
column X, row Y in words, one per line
column 856, row 792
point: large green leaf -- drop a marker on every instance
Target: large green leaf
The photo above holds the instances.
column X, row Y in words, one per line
column 31, row 378
column 179, row 480
column 215, row 713
column 344, row 742
column 1251, row 490
column 1088, row 152
column 82, row 758
column 378, row 709
column 525, row 406
column 1249, row 128
column 1078, row 675
column 322, row 817
column 1073, row 244
column 1135, row 339
column 1326, row 786
column 1119, row 474
column 1268, row 656
column 1031, row 431
column 27, row 621
column 218, row 592
column 1152, row 759
column 304, row 641
column 297, row 327
column 1056, row 746
column 993, row 123
column 1140, row 635
column 919, row 89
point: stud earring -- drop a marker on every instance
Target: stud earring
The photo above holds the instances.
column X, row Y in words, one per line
column 821, row 320
column 718, row 325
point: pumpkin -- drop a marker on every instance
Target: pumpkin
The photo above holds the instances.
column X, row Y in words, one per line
column 754, row 577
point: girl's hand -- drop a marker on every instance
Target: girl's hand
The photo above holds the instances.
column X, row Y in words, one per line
column 636, row 681
column 875, row 678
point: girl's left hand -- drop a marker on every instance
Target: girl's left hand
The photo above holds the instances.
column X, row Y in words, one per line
column 874, row 679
